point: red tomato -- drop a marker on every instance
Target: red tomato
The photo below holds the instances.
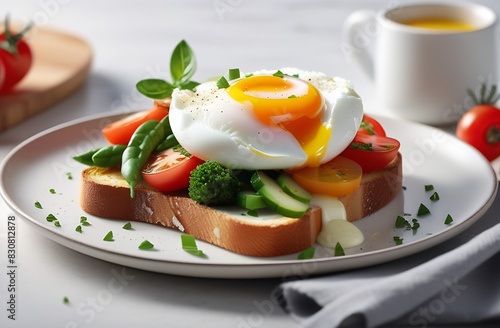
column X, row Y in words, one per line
column 120, row 132
column 15, row 57
column 480, row 127
column 372, row 152
column 169, row 170
column 370, row 126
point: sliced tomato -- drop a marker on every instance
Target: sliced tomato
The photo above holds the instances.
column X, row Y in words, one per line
column 120, row 132
column 338, row 177
column 371, row 126
column 372, row 152
column 169, row 170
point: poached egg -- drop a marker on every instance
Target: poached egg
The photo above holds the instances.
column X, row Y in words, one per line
column 263, row 121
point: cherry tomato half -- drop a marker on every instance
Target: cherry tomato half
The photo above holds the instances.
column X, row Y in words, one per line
column 371, row 126
column 480, row 127
column 372, row 152
column 169, row 170
column 338, row 177
column 120, row 132
column 15, row 64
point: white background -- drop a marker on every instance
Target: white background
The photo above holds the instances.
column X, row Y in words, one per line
column 133, row 40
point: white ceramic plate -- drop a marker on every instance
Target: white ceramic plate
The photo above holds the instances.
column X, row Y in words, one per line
column 464, row 180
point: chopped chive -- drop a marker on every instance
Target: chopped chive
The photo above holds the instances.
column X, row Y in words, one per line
column 296, row 75
column 83, row 221
column 423, row 210
column 404, row 187
column 70, row 177
column 434, row 196
column 448, row 220
column 415, row 226
column 307, row 254
column 340, row 173
column 279, row 74
column 368, row 127
column 178, row 148
column 109, row 236
column 249, row 75
column 189, row 245
column 52, row 191
column 339, row 251
column 65, row 300
column 368, row 146
column 79, row 229
column 401, row 222
column 234, row 73
column 429, row 187
column 145, row 245
column 51, row 218
column 398, row 240
column 38, row 205
column 57, row 224
column 253, row 213
column 292, row 96
column 127, row 226
column 222, row 83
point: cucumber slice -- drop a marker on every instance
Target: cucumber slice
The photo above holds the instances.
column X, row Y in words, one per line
column 292, row 188
column 250, row 200
column 276, row 198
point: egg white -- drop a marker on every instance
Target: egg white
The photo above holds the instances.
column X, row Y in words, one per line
column 213, row 126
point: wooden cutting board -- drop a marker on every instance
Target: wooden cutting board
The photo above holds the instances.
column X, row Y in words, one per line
column 61, row 63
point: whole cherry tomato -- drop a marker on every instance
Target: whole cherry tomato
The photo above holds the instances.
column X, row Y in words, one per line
column 480, row 126
column 15, row 57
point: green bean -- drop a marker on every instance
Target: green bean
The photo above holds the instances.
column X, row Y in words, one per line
column 87, row 157
column 103, row 157
column 109, row 156
column 169, row 142
column 141, row 145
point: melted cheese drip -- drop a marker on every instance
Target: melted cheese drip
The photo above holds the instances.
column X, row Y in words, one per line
column 335, row 227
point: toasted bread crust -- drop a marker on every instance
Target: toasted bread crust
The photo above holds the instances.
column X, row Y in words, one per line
column 105, row 193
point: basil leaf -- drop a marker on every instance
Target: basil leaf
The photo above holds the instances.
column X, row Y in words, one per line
column 182, row 63
column 155, row 88
column 189, row 85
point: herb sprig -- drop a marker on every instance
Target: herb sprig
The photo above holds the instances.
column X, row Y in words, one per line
column 182, row 68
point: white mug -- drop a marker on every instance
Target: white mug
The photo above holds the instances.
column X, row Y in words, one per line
column 423, row 74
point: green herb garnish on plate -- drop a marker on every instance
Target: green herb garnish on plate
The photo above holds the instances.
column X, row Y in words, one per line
column 145, row 245
column 307, row 254
column 109, row 236
column 189, row 245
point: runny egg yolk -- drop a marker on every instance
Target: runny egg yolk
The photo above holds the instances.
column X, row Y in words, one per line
column 291, row 104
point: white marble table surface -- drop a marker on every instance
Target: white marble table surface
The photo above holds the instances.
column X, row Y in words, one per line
column 133, row 40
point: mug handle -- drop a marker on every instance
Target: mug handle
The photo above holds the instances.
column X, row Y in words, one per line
column 358, row 37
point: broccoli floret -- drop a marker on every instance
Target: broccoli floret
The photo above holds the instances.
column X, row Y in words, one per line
column 212, row 184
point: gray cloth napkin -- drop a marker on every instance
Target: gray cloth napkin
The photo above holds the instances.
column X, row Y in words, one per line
column 446, row 284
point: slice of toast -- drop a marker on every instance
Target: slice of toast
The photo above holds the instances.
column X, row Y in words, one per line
column 105, row 193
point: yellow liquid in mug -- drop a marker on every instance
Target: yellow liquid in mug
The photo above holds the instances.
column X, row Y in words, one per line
column 443, row 24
